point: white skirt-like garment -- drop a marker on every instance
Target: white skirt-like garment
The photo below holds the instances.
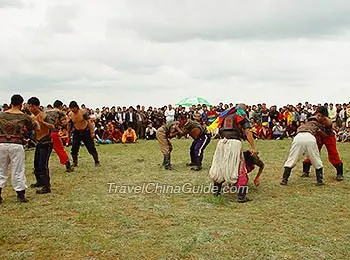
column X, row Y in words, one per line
column 226, row 161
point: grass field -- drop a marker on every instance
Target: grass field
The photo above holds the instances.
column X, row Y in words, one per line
column 80, row 219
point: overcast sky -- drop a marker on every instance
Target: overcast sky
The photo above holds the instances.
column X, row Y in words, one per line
column 155, row 52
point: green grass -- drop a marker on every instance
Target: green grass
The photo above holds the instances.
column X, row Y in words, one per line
column 81, row 220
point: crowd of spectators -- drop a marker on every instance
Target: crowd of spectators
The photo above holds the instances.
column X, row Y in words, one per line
column 127, row 124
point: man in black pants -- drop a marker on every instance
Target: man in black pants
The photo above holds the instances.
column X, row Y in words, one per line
column 200, row 140
column 43, row 147
column 83, row 131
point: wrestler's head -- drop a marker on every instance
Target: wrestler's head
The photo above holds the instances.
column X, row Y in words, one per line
column 183, row 119
column 321, row 114
column 34, row 105
column 73, row 105
column 17, row 101
column 58, row 104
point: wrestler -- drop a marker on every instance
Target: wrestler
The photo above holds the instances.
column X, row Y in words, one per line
column 305, row 143
column 201, row 138
column 228, row 161
column 163, row 134
column 13, row 125
column 83, row 131
column 57, row 116
column 43, row 146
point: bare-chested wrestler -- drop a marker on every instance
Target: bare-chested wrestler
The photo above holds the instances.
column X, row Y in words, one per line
column 43, row 148
column 83, row 131
column 59, row 118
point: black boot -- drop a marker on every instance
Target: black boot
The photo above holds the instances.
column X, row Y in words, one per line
column 167, row 164
column 0, row 195
column 97, row 162
column 217, row 188
column 196, row 168
column 190, row 164
column 242, row 195
column 306, row 169
column 198, row 164
column 286, row 174
column 36, row 185
column 44, row 190
column 75, row 160
column 69, row 167
column 21, row 196
column 38, row 182
column 319, row 176
column 45, row 179
column 339, row 168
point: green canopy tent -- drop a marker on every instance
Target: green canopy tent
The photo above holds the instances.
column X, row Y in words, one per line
column 189, row 101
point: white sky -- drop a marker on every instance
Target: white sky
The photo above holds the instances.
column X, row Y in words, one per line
column 156, row 52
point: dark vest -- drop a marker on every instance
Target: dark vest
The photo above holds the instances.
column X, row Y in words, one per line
column 229, row 129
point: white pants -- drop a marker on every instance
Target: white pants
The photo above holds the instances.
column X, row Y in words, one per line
column 226, row 161
column 304, row 144
column 12, row 155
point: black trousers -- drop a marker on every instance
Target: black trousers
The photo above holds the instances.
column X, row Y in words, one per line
column 150, row 137
column 41, row 162
column 85, row 137
column 197, row 149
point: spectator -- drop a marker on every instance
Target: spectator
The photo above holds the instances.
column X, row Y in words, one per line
column 130, row 118
column 112, row 134
column 129, row 136
column 346, row 134
column 169, row 114
column 265, row 132
column 273, row 114
column 291, row 129
column 99, row 133
column 277, row 131
column 197, row 115
column 332, row 113
column 264, row 113
column 150, row 132
column 341, row 131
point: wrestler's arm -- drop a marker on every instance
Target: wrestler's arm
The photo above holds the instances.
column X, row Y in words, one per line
column 250, row 139
column 261, row 166
column 90, row 125
column 321, row 133
column 69, row 126
column 245, row 124
column 33, row 125
column 173, row 134
column 178, row 133
column 46, row 121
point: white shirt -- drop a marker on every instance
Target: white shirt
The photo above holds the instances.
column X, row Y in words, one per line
column 332, row 113
column 98, row 115
column 342, row 114
column 150, row 130
column 303, row 117
column 169, row 115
